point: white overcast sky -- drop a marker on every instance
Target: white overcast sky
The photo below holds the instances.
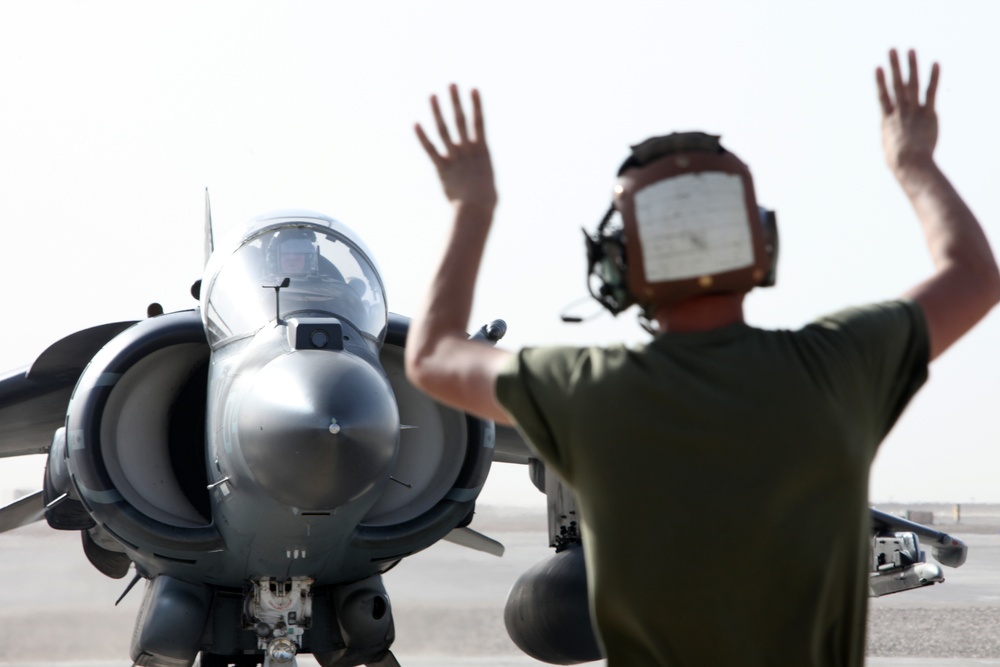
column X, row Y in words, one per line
column 115, row 116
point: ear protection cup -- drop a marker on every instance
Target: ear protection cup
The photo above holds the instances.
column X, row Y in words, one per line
column 769, row 227
column 607, row 267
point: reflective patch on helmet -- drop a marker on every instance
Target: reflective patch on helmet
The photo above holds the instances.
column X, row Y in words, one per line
column 693, row 225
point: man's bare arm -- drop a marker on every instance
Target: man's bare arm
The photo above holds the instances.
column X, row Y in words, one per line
column 440, row 359
column 966, row 283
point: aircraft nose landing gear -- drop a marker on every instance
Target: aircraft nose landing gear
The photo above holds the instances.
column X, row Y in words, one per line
column 279, row 611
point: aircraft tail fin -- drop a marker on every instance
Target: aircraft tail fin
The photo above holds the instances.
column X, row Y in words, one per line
column 209, row 241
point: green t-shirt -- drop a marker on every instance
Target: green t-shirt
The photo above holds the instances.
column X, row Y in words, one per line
column 722, row 479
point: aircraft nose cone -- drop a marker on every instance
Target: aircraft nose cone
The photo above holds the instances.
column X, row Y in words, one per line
column 319, row 429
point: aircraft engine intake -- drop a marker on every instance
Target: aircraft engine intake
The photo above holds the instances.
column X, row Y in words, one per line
column 444, row 458
column 135, row 443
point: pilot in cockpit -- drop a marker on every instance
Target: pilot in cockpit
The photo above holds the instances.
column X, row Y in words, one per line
column 293, row 253
column 297, row 257
column 316, row 285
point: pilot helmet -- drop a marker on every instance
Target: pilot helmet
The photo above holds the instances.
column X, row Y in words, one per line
column 293, row 253
column 684, row 221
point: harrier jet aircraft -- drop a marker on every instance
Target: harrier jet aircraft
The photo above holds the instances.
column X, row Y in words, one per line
column 261, row 461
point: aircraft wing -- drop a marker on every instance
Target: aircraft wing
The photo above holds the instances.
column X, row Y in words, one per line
column 22, row 511
column 947, row 550
column 511, row 447
column 466, row 537
column 33, row 401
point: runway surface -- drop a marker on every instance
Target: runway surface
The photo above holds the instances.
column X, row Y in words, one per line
column 448, row 604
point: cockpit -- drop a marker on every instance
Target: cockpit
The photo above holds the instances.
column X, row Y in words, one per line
column 329, row 274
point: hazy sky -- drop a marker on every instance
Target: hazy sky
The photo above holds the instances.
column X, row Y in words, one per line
column 116, row 116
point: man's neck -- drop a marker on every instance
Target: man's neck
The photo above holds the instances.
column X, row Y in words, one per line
column 700, row 313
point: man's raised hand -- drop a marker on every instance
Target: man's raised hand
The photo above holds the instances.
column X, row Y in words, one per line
column 464, row 166
column 909, row 128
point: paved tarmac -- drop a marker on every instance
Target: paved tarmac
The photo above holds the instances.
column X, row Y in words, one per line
column 448, row 604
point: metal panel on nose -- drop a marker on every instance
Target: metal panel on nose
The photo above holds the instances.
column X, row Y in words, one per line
column 319, row 429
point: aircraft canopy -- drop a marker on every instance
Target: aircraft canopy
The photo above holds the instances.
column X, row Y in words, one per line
column 328, row 275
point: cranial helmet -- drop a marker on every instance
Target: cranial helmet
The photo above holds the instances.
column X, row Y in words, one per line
column 292, row 253
column 683, row 222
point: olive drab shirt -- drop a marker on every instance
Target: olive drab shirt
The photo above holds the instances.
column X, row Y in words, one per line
column 722, row 479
